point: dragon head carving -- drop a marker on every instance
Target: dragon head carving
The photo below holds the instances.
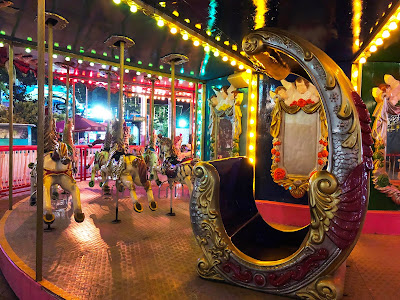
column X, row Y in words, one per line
column 264, row 58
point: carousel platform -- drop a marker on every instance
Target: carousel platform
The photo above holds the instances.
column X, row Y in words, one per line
column 148, row 255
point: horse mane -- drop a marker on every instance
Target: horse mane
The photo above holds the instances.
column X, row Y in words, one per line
column 142, row 171
column 68, row 138
column 50, row 135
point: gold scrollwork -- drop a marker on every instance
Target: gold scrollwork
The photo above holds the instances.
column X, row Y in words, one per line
column 308, row 109
column 323, row 289
column 323, row 198
column 216, row 250
column 206, row 189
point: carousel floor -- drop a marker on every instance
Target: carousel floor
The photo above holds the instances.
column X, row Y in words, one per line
column 153, row 256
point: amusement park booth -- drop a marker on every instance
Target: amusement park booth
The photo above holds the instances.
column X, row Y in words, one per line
column 281, row 148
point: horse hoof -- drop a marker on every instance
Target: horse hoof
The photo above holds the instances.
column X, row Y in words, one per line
column 120, row 188
column 100, row 184
column 138, row 207
column 158, row 182
column 32, row 201
column 153, row 205
column 91, row 183
column 48, row 218
column 79, row 217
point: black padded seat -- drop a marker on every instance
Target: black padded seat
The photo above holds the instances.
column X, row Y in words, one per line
column 243, row 223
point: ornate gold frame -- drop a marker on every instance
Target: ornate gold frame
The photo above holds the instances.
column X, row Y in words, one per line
column 338, row 196
column 296, row 184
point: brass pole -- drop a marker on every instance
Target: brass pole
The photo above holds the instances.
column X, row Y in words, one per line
column 121, row 90
column 151, row 121
column 108, row 90
column 194, row 137
column 203, row 119
column 359, row 78
column 11, row 123
column 50, row 70
column 40, row 139
column 86, row 102
column 173, row 102
column 191, row 121
column 73, row 104
column 67, row 98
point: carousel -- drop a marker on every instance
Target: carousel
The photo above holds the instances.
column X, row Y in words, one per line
column 212, row 147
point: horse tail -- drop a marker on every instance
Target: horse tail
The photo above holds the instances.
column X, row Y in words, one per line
column 142, row 171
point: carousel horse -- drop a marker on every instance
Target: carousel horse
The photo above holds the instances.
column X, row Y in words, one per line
column 181, row 154
column 151, row 159
column 99, row 159
column 174, row 169
column 57, row 170
column 127, row 170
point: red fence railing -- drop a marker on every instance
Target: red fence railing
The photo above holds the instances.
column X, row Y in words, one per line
column 23, row 155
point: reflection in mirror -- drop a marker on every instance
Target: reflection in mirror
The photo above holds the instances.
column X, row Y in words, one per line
column 386, row 132
column 300, row 135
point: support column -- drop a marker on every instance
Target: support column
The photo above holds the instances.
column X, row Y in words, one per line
column 203, row 119
column 173, row 103
column 73, row 104
column 196, row 101
column 11, row 123
column 40, row 138
column 121, row 90
column 67, row 97
column 151, row 119
column 191, row 122
column 50, row 70
column 174, row 60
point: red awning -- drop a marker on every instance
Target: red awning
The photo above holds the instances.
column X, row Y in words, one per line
column 82, row 125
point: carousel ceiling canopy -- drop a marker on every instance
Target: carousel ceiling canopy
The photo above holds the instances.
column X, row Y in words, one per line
column 209, row 33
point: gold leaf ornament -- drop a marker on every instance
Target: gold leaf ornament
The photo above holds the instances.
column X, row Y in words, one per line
column 323, row 199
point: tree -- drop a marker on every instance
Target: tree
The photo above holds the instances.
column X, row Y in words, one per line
column 161, row 119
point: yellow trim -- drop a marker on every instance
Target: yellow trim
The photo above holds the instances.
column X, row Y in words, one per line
column 21, row 264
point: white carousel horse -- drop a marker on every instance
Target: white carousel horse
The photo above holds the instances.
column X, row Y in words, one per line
column 130, row 170
column 57, row 170
column 175, row 170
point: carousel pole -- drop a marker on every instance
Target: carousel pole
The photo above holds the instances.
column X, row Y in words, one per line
column 73, row 104
column 174, row 60
column 50, row 70
column 120, row 42
column 191, row 124
column 67, row 98
column 173, row 103
column 11, row 122
column 151, row 123
column 53, row 22
column 153, row 79
column 194, row 136
column 203, row 121
column 40, row 138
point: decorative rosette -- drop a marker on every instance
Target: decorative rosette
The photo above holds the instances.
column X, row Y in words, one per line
column 323, row 153
column 302, row 102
